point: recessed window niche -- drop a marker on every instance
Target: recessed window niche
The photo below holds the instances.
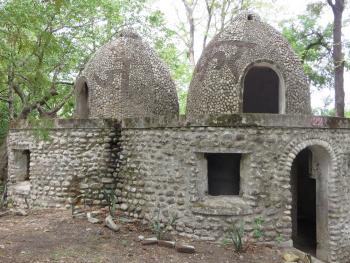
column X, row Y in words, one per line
column 22, row 164
column 223, row 172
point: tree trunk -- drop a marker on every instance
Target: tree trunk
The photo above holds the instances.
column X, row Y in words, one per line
column 191, row 43
column 190, row 6
column 10, row 77
column 210, row 7
column 3, row 161
column 338, row 60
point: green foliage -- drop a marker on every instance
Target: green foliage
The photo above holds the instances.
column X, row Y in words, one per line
column 182, row 95
column 3, row 122
column 257, row 228
column 111, row 199
column 41, row 128
column 279, row 239
column 166, row 44
column 45, row 44
column 159, row 228
column 312, row 40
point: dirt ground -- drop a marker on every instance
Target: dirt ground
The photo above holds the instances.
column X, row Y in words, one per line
column 54, row 236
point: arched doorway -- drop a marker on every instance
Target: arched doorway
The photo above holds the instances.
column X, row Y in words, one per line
column 309, row 187
column 262, row 91
column 82, row 99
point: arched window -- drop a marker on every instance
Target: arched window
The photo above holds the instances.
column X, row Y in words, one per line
column 262, row 92
column 82, row 99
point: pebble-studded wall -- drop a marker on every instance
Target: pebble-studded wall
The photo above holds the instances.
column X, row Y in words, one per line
column 218, row 79
column 78, row 157
column 162, row 168
column 159, row 163
column 125, row 78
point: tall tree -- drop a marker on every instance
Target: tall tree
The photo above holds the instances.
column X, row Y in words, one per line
column 45, row 44
column 338, row 58
column 312, row 39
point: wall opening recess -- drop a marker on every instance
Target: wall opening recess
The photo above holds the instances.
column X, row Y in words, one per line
column 223, row 171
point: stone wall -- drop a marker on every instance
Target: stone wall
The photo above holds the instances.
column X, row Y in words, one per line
column 162, row 168
column 78, row 158
column 159, row 164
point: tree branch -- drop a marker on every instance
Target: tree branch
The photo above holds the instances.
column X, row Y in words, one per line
column 5, row 100
column 19, row 93
column 330, row 2
column 65, row 83
column 210, row 16
column 318, row 42
column 54, row 111
column 189, row 13
column 36, row 104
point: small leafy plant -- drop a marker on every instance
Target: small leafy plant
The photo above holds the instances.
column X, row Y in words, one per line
column 234, row 236
column 279, row 239
column 158, row 228
column 257, row 228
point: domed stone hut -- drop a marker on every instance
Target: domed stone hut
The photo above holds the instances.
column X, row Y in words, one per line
column 248, row 151
column 248, row 68
column 124, row 79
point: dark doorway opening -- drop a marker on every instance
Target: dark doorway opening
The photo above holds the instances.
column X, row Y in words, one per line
column 261, row 91
column 223, row 173
column 83, row 100
column 304, row 203
column 26, row 154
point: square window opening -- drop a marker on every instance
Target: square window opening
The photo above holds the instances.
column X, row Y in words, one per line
column 223, row 173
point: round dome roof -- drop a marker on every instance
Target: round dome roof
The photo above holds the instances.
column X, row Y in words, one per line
column 125, row 79
column 220, row 85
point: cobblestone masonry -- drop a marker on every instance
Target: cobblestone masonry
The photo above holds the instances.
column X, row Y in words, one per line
column 217, row 83
column 161, row 167
column 157, row 163
column 80, row 154
column 125, row 78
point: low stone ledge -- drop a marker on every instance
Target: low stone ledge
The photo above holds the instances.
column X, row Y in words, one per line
column 67, row 124
column 222, row 206
column 174, row 121
column 238, row 120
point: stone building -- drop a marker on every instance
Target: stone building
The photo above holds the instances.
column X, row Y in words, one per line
column 248, row 149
